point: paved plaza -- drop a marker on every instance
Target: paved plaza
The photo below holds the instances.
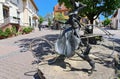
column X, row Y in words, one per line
column 16, row 59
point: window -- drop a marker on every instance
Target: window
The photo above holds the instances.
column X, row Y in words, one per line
column 60, row 7
column 5, row 12
column 66, row 13
column 18, row 1
column 31, row 7
column 18, row 14
column 29, row 21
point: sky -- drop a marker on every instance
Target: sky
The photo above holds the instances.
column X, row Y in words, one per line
column 46, row 6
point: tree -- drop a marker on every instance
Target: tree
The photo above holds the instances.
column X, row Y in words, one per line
column 48, row 16
column 41, row 19
column 106, row 22
column 49, row 22
column 95, row 7
column 59, row 16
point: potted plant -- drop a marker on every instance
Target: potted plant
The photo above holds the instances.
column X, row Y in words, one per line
column 27, row 30
column 3, row 34
column 8, row 32
column 14, row 30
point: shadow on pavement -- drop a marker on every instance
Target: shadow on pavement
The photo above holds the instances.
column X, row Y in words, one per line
column 39, row 46
column 117, row 41
column 106, row 59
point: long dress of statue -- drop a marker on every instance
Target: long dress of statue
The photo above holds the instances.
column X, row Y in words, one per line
column 70, row 40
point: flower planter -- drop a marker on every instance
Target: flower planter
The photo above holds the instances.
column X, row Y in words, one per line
column 2, row 37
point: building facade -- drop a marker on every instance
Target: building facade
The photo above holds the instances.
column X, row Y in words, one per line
column 61, row 10
column 18, row 13
column 116, row 20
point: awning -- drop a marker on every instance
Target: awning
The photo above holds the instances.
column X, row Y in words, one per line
column 35, row 16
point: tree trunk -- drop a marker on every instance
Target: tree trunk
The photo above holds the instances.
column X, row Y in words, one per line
column 91, row 21
column 91, row 18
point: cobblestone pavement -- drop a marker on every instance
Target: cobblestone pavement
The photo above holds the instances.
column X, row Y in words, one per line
column 15, row 57
column 16, row 61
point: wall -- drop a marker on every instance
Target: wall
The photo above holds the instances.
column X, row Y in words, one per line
column 29, row 11
column 22, row 7
column 31, row 7
column 1, row 1
column 13, row 8
column 1, row 13
column 119, row 19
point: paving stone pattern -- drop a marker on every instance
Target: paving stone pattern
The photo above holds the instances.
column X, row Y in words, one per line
column 16, row 61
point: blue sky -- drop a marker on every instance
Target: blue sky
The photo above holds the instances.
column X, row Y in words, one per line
column 46, row 6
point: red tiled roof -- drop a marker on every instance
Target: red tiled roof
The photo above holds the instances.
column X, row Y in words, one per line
column 59, row 8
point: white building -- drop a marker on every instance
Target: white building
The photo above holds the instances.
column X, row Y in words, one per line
column 116, row 20
column 18, row 13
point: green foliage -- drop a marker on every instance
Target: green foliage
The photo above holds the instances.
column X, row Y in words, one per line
column 4, row 34
column 8, row 32
column 41, row 19
column 59, row 16
column 27, row 29
column 14, row 30
column 106, row 22
column 95, row 7
column 1, row 32
column 49, row 22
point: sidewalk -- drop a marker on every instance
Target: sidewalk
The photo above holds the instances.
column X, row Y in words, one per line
column 16, row 60
column 15, row 57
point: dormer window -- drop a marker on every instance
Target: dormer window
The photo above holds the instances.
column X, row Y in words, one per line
column 60, row 7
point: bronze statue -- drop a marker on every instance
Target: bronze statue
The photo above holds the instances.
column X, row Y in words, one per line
column 70, row 40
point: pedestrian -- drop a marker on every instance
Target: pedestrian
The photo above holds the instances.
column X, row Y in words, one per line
column 39, row 26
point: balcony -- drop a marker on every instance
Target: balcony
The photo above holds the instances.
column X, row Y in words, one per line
column 13, row 20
